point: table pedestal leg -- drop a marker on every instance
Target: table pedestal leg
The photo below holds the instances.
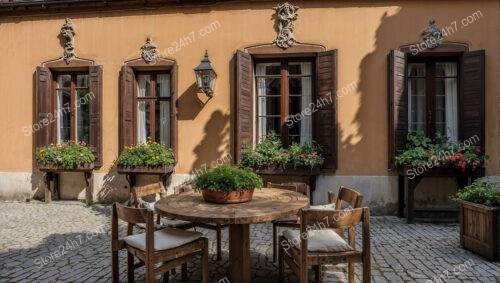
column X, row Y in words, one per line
column 239, row 253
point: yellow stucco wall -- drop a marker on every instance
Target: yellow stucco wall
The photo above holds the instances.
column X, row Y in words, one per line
column 363, row 33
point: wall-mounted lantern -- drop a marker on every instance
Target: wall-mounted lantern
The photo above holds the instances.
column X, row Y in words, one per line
column 205, row 76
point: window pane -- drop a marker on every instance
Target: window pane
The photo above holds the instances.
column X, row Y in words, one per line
column 268, row 86
column 269, row 105
column 162, row 123
column 416, row 99
column 82, row 80
column 63, row 115
column 446, row 69
column 82, row 116
column 143, row 123
column 267, row 125
column 416, row 70
column 143, row 85
column 299, row 68
column 299, row 85
column 263, row 69
column 446, row 111
column 64, row 81
column 163, row 85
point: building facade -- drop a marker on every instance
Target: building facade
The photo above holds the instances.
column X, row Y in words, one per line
column 370, row 65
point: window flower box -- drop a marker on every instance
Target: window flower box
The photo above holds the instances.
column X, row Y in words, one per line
column 68, row 156
column 287, row 169
column 85, row 167
column 153, row 170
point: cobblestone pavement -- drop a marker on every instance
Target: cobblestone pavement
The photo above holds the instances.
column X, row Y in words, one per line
column 33, row 236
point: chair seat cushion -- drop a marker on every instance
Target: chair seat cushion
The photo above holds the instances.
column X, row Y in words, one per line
column 330, row 206
column 165, row 239
column 324, row 240
column 169, row 222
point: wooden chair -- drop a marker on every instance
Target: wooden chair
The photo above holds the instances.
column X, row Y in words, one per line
column 157, row 188
column 159, row 251
column 289, row 221
column 323, row 245
column 349, row 195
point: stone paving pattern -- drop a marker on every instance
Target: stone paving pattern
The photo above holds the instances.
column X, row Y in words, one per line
column 32, row 231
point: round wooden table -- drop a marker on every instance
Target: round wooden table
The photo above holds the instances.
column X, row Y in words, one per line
column 267, row 205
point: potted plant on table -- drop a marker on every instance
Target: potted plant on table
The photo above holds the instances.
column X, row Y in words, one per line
column 480, row 218
column 269, row 157
column 227, row 184
column 68, row 156
column 149, row 157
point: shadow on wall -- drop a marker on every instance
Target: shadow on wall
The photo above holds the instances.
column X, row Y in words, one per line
column 357, row 145
column 217, row 133
column 190, row 103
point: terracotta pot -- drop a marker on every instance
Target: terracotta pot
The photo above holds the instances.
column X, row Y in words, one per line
column 227, row 196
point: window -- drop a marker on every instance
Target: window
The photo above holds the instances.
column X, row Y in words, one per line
column 72, row 109
column 284, row 88
column 438, row 91
column 267, row 91
column 68, row 104
column 153, row 107
column 432, row 97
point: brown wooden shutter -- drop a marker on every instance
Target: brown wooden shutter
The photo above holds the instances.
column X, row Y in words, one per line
column 127, row 79
column 173, row 111
column 244, row 120
column 472, row 108
column 95, row 106
column 326, row 127
column 398, row 105
column 43, row 107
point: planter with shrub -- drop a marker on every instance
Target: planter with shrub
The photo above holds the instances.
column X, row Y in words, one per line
column 68, row 156
column 480, row 218
column 146, row 158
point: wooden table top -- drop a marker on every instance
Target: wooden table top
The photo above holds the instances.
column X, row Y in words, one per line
column 267, row 204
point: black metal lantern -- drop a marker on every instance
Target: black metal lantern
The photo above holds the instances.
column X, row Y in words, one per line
column 205, row 76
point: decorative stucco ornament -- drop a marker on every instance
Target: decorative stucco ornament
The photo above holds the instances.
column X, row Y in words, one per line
column 286, row 14
column 432, row 35
column 68, row 33
column 149, row 51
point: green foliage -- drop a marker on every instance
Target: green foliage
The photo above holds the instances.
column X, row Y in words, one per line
column 227, row 178
column 480, row 192
column 271, row 152
column 146, row 154
column 67, row 155
column 441, row 152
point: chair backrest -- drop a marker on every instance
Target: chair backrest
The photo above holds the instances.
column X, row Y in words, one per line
column 147, row 190
column 131, row 214
column 349, row 195
column 302, row 188
column 337, row 219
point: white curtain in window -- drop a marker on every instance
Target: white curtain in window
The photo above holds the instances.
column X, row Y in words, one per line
column 261, row 90
column 142, row 85
column 306, row 122
column 165, row 123
column 450, row 89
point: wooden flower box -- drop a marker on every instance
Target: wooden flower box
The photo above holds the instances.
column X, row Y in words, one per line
column 152, row 170
column 288, row 170
column 86, row 167
column 480, row 229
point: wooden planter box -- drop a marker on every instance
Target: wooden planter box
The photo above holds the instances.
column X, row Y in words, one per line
column 145, row 169
column 480, row 229
column 58, row 168
column 288, row 169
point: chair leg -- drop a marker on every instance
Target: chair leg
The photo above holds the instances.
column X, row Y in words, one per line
column 130, row 267
column 351, row 272
column 366, row 271
column 184, row 272
column 303, row 278
column 150, row 274
column 166, row 277
column 219, row 242
column 317, row 272
column 115, row 266
column 281, row 265
column 204, row 263
column 275, row 241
